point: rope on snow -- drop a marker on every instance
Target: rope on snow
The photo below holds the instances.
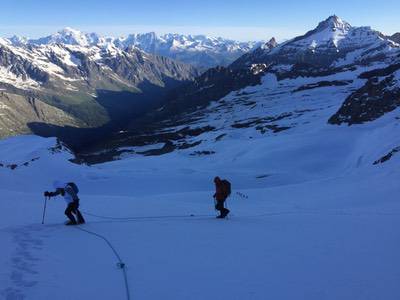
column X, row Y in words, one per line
column 144, row 217
column 120, row 263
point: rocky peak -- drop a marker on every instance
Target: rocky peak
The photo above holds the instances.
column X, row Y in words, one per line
column 395, row 37
column 151, row 36
column 333, row 22
column 272, row 43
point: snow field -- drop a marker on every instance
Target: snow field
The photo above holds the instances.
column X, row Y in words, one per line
column 320, row 220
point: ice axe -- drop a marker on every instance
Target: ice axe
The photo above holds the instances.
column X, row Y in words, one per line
column 44, row 208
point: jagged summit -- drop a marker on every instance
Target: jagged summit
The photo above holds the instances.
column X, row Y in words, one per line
column 328, row 43
column 328, row 32
column 272, row 43
column 334, row 22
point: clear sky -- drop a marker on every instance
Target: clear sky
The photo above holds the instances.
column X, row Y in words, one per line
column 237, row 19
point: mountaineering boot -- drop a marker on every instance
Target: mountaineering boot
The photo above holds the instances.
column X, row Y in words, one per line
column 68, row 212
column 80, row 218
column 220, row 216
column 71, row 223
column 225, row 213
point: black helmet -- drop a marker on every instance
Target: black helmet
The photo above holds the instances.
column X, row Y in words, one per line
column 217, row 179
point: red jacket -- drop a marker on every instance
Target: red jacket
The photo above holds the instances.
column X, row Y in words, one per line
column 221, row 192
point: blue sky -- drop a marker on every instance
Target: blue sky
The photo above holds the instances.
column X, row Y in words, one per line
column 238, row 19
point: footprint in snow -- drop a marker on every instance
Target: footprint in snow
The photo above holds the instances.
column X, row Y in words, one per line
column 23, row 262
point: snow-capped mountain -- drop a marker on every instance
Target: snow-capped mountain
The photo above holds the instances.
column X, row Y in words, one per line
column 330, row 42
column 18, row 40
column 83, row 80
column 200, row 51
column 335, row 74
column 68, row 36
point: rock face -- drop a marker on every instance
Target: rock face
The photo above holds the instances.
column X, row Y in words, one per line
column 388, row 156
column 380, row 95
column 17, row 111
column 256, row 56
column 396, row 37
column 213, row 84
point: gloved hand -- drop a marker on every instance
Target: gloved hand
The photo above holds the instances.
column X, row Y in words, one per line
column 46, row 194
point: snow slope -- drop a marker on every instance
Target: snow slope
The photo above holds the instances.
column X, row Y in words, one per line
column 325, row 228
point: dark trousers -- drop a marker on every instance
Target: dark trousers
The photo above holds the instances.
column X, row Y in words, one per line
column 220, row 207
column 71, row 209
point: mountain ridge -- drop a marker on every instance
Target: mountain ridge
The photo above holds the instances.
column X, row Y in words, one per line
column 199, row 50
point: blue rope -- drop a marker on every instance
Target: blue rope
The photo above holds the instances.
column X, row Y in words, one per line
column 120, row 264
column 144, row 217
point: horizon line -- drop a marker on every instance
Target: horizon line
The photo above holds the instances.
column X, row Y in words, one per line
column 235, row 33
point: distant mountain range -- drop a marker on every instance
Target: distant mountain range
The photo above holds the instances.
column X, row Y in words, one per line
column 201, row 51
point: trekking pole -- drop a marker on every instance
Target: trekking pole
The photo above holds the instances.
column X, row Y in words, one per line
column 44, row 208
